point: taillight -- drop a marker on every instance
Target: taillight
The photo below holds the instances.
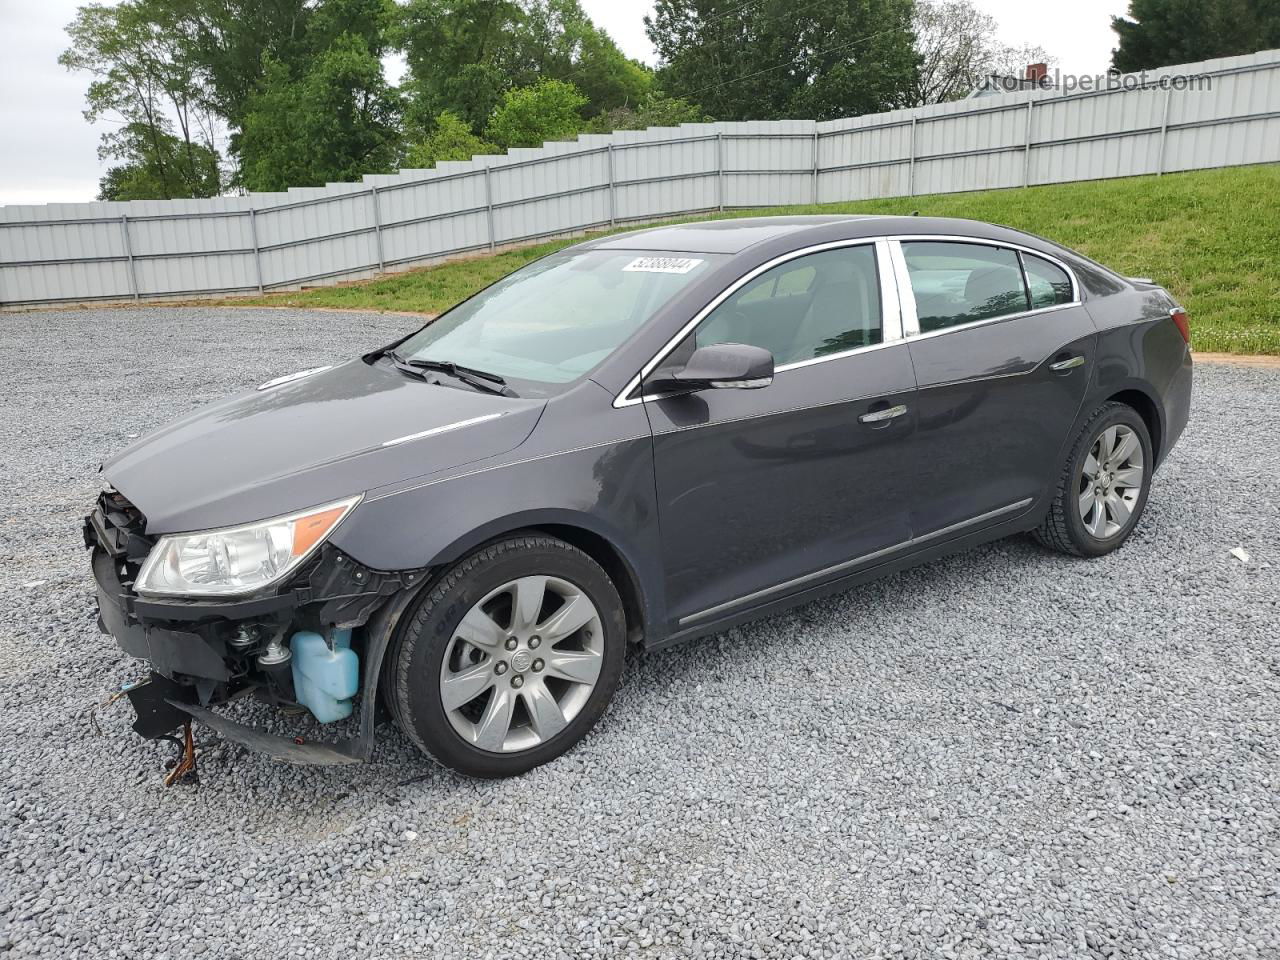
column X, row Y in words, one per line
column 1182, row 322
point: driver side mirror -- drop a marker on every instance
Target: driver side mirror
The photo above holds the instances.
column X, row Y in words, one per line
column 719, row 366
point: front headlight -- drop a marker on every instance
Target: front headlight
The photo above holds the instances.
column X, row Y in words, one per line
column 238, row 560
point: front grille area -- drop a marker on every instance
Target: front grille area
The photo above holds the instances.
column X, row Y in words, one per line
column 120, row 513
column 118, row 527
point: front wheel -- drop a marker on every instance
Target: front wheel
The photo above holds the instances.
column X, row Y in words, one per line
column 1103, row 487
column 510, row 659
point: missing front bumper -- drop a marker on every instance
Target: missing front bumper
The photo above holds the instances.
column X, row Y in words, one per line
column 198, row 664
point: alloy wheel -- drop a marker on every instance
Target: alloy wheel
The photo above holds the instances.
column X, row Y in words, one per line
column 1110, row 481
column 522, row 664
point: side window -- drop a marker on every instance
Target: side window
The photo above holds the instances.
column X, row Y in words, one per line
column 812, row 306
column 1049, row 283
column 957, row 283
column 785, row 283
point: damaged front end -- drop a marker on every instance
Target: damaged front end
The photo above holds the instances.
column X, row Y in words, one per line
column 315, row 642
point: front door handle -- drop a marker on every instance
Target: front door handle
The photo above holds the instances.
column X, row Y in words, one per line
column 888, row 413
column 1068, row 364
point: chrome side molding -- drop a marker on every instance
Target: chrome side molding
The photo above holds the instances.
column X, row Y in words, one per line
column 791, row 586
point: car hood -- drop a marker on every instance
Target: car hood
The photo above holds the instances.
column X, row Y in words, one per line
column 304, row 443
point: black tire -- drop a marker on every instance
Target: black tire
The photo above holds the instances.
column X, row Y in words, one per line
column 1063, row 528
column 416, row 658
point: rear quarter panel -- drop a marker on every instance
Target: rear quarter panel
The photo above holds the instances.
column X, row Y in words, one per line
column 1140, row 348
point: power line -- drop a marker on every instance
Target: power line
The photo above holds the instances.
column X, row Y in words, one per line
column 727, row 13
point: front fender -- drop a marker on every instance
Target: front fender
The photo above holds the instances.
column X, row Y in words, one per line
column 605, row 491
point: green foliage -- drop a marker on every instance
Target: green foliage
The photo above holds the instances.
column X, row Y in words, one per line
column 229, row 43
column 298, row 83
column 772, row 59
column 602, row 72
column 529, row 116
column 157, row 165
column 1160, row 33
column 464, row 55
column 652, row 111
column 451, row 139
column 296, row 90
column 148, row 85
column 459, row 57
column 1211, row 237
column 336, row 123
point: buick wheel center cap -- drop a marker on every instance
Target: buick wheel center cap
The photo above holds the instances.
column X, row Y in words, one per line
column 521, row 660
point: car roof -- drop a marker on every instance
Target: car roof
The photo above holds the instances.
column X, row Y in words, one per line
column 737, row 234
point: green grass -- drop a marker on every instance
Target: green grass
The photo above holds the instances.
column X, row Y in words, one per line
column 1211, row 237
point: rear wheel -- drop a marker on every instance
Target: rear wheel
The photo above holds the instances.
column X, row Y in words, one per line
column 510, row 659
column 1103, row 487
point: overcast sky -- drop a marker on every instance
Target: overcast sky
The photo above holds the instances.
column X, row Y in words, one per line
column 48, row 153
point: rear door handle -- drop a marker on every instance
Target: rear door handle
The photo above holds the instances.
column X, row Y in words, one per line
column 1068, row 364
column 888, row 413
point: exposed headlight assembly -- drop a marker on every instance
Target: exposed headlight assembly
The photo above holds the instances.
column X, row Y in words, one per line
column 238, row 560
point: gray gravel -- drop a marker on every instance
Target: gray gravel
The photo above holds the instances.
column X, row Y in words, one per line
column 1004, row 754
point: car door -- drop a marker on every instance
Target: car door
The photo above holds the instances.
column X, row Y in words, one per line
column 762, row 492
column 1003, row 351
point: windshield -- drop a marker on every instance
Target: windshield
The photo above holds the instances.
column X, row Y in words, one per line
column 556, row 319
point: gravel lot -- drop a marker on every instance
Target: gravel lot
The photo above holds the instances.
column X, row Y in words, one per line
column 1005, row 754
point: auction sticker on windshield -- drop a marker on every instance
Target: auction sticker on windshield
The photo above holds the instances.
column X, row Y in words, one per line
column 662, row 264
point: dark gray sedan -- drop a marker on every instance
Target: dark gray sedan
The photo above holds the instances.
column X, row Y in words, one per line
column 640, row 439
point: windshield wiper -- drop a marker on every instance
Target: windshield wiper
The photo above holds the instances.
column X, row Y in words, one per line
column 480, row 379
column 448, row 366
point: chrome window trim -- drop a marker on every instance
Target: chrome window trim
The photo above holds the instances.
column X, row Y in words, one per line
column 899, row 319
column 911, row 320
column 888, row 325
column 992, row 320
column 797, row 364
column 1075, row 289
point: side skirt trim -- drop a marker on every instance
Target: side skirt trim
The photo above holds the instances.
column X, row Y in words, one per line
column 809, row 579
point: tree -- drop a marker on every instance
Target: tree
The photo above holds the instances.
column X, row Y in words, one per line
column 336, row 123
column 156, row 166
column 559, row 41
column 148, row 85
column 957, row 50
column 773, row 59
column 337, row 119
column 464, row 55
column 298, row 83
column 1160, row 33
column 451, row 139
column 529, row 116
column 653, row 111
column 231, row 41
